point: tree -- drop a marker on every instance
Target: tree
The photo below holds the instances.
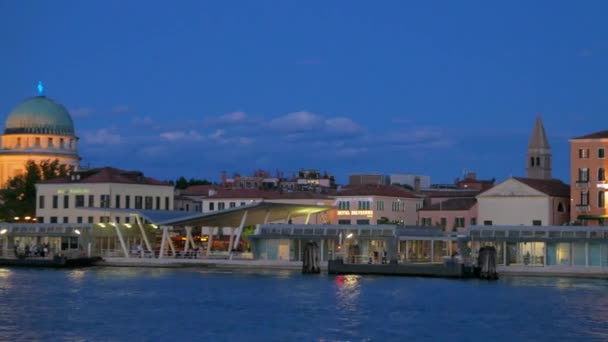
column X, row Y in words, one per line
column 182, row 182
column 19, row 194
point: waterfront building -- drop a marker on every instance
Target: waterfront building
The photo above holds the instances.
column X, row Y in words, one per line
column 452, row 214
column 37, row 129
column 375, row 204
column 86, row 196
column 525, row 201
column 588, row 166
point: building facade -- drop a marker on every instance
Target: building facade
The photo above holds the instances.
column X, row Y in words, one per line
column 377, row 204
column 37, row 129
column 588, row 178
column 82, row 196
column 452, row 215
column 525, row 202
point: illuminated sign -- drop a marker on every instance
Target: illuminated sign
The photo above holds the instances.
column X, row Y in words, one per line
column 368, row 213
column 76, row 191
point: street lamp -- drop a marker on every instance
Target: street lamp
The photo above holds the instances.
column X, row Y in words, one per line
column 3, row 231
column 77, row 231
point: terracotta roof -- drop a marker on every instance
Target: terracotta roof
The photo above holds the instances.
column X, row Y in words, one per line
column 596, row 135
column 453, row 204
column 106, row 175
column 451, row 193
column 550, row 187
column 376, row 190
column 220, row 192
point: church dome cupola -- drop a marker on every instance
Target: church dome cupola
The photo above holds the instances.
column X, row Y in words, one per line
column 39, row 115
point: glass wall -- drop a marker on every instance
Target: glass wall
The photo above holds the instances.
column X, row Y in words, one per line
column 558, row 253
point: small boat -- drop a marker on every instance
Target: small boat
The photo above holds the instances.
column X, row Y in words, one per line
column 54, row 262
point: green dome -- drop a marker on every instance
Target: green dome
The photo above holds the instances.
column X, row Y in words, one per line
column 39, row 115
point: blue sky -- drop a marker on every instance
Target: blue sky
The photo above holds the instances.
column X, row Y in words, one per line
column 196, row 87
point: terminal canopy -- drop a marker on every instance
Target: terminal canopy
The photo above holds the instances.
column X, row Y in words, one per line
column 258, row 212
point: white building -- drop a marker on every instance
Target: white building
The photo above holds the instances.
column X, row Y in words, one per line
column 66, row 199
column 525, row 202
column 373, row 204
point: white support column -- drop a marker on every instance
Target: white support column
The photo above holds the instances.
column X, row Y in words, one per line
column 432, row 250
column 122, row 241
column 407, row 250
column 189, row 237
column 586, row 254
column 239, row 231
column 267, row 216
column 504, row 252
column 163, row 242
column 210, row 240
column 143, row 232
column 187, row 244
column 307, row 218
column 171, row 243
column 231, row 240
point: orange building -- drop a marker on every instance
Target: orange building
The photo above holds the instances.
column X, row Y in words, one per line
column 588, row 165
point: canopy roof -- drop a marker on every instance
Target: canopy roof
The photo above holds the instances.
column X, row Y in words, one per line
column 256, row 213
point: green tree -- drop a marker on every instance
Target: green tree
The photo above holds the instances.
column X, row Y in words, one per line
column 19, row 194
column 182, row 182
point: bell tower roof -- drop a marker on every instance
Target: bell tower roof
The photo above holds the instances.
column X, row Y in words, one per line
column 538, row 140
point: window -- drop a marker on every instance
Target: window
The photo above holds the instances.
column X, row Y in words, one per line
column 104, row 219
column 380, row 205
column 127, row 219
column 537, row 222
column 601, row 153
column 444, row 222
column 128, row 202
column 157, row 202
column 187, row 207
column 531, row 161
column 459, row 222
column 117, row 219
column 104, row 201
column 40, row 219
column 343, row 221
column 426, row 221
column 584, row 198
column 61, row 143
column 221, row 205
column 138, row 202
column 560, row 207
column 117, row 201
column 232, row 204
column 90, row 219
column 79, row 219
column 66, row 202
column 65, row 219
column 601, row 174
column 363, row 222
column 149, row 202
column 363, row 205
column 37, row 142
column 50, row 142
column 583, row 153
column 243, row 203
column 55, row 201
column 344, row 205
column 601, row 199
column 583, row 175
column 473, row 221
column 91, row 201
column 166, row 203
column 53, row 219
column 211, row 206
column 79, row 203
column 41, row 202
column 396, row 205
column 487, row 223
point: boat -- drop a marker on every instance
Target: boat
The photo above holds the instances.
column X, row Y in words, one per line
column 445, row 270
column 54, row 262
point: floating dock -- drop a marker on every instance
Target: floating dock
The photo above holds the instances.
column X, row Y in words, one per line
column 55, row 262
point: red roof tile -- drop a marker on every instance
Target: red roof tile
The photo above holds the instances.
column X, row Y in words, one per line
column 106, row 175
column 550, row 187
column 596, row 135
column 376, row 190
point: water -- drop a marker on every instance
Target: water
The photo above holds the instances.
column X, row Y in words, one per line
column 121, row 304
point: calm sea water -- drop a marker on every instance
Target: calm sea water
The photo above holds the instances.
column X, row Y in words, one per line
column 120, row 304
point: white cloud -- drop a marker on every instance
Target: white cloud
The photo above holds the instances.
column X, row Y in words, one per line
column 145, row 121
column 342, row 124
column 217, row 134
column 101, row 137
column 233, row 117
column 297, row 121
column 181, row 136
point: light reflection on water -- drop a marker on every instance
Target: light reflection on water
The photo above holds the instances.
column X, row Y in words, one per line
column 129, row 303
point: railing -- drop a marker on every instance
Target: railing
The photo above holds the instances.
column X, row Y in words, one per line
column 179, row 254
column 582, row 184
column 582, row 208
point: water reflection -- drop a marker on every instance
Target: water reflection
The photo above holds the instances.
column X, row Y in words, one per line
column 76, row 276
column 348, row 292
column 5, row 278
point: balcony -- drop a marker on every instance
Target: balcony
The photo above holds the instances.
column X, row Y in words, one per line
column 582, row 184
column 581, row 208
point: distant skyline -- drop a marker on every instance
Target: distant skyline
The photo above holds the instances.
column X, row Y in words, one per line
column 193, row 88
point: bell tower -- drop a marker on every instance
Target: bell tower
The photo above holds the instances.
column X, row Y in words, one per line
column 539, row 153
